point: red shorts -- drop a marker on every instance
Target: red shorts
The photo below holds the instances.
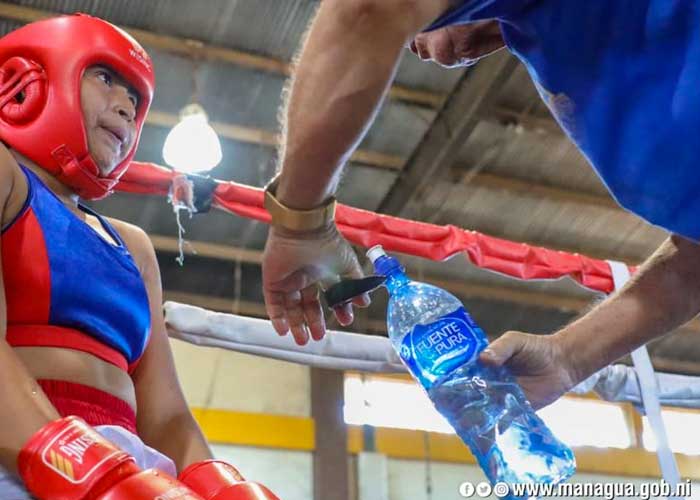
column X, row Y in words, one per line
column 94, row 406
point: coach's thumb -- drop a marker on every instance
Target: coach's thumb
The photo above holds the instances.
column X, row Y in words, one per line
column 503, row 348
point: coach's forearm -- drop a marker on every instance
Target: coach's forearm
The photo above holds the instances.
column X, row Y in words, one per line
column 344, row 70
column 662, row 295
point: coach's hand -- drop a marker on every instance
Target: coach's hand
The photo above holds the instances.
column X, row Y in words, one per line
column 294, row 266
column 541, row 364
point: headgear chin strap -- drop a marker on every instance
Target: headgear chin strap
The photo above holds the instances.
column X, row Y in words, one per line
column 41, row 67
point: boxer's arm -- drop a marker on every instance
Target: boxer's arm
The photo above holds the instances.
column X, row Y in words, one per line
column 164, row 420
column 661, row 296
column 24, row 407
column 344, row 70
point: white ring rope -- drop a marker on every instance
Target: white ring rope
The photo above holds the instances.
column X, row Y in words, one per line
column 353, row 351
column 337, row 350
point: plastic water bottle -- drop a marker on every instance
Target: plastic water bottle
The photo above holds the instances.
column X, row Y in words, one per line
column 439, row 343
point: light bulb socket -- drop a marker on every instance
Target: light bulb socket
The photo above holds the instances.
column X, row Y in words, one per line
column 193, row 109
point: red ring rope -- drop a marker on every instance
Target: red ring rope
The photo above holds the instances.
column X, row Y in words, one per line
column 430, row 241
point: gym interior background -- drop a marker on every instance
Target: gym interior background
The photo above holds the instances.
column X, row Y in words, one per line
column 510, row 172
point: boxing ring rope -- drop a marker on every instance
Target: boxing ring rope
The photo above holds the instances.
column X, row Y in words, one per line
column 430, row 241
column 370, row 353
column 350, row 351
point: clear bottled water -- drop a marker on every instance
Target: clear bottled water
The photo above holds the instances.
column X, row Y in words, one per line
column 440, row 343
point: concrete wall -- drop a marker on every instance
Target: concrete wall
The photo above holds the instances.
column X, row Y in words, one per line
column 214, row 378
column 287, row 473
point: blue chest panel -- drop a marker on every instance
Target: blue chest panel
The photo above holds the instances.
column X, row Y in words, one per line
column 95, row 286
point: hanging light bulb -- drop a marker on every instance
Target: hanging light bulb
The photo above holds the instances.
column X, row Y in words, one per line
column 192, row 145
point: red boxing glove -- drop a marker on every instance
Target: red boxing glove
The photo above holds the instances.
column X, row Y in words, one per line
column 68, row 460
column 217, row 480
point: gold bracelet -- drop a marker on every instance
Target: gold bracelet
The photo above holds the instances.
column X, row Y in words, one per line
column 297, row 220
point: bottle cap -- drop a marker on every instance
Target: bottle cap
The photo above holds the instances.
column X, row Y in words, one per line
column 375, row 252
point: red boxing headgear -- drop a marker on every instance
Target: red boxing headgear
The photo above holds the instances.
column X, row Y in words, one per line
column 41, row 67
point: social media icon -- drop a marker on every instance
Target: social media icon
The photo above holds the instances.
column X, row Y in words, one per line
column 483, row 489
column 466, row 490
column 500, row 489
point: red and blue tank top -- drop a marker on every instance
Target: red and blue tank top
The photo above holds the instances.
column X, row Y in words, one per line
column 66, row 286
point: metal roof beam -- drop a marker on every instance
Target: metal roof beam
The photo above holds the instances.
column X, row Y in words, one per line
column 252, row 135
column 258, row 136
column 455, row 122
column 197, row 48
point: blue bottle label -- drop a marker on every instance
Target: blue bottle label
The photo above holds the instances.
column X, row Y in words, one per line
column 434, row 350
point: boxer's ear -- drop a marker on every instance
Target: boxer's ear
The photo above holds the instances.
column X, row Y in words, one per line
column 22, row 90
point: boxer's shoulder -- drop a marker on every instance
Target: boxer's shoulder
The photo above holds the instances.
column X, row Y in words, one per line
column 137, row 242
column 13, row 186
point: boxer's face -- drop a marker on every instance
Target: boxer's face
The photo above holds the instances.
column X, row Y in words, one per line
column 109, row 108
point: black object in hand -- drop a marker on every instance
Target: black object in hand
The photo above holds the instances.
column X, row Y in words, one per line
column 346, row 290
